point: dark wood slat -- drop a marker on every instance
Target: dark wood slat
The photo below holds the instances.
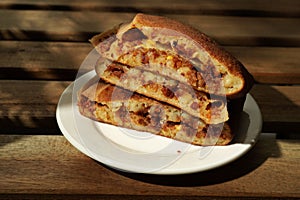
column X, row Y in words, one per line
column 61, row 61
column 288, row 8
column 41, row 60
column 278, row 103
column 280, row 107
column 269, row 64
column 80, row 26
column 49, row 165
column 29, row 106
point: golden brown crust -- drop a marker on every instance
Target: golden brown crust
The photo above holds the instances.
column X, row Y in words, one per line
column 95, row 40
column 233, row 65
column 180, row 30
column 173, row 124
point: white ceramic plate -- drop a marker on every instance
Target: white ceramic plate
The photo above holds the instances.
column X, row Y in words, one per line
column 142, row 152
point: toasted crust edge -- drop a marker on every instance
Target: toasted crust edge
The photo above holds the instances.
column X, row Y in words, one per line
column 233, row 65
column 217, row 52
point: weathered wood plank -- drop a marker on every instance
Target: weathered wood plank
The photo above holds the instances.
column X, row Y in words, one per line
column 61, row 61
column 278, row 103
column 41, row 60
column 30, row 106
column 270, row 64
column 80, row 26
column 49, row 165
column 287, row 8
column 280, row 107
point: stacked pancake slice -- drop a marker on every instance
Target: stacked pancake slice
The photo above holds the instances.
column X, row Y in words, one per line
column 158, row 75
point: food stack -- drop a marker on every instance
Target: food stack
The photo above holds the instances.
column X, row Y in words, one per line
column 159, row 75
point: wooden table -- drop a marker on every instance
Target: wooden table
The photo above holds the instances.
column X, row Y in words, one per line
column 42, row 46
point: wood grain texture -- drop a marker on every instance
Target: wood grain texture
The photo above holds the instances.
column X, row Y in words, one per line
column 42, row 60
column 80, row 26
column 280, row 107
column 28, row 105
column 271, row 98
column 62, row 60
column 45, row 165
column 272, row 65
column 287, row 8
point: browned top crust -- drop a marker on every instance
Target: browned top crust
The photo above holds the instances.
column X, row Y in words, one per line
column 212, row 48
column 215, row 51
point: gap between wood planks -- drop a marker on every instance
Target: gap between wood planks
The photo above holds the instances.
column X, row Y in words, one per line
column 80, row 26
column 254, row 8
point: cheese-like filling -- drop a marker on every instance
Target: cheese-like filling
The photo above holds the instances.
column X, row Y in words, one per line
column 167, row 90
column 172, row 41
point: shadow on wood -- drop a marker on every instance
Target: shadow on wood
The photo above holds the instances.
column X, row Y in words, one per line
column 265, row 148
